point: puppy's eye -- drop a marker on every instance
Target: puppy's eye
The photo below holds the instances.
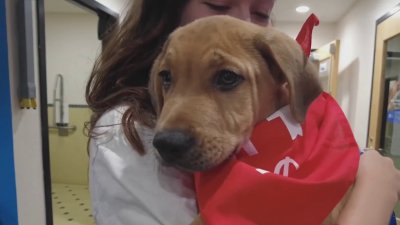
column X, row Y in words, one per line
column 226, row 80
column 166, row 78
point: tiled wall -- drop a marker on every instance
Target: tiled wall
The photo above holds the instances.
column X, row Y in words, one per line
column 68, row 154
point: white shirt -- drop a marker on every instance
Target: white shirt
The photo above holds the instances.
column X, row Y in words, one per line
column 127, row 188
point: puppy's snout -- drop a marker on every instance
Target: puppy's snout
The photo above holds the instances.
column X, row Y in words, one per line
column 173, row 144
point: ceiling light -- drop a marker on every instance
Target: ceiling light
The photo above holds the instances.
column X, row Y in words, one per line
column 302, row 9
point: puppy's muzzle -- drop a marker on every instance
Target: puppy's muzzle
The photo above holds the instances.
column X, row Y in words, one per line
column 173, row 144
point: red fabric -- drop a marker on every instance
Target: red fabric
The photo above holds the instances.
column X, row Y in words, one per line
column 305, row 35
column 327, row 155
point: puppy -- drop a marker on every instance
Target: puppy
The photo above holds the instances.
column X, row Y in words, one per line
column 215, row 80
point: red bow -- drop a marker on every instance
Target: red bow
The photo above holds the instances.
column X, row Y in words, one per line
column 305, row 35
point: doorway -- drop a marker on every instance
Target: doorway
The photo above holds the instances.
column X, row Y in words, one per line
column 384, row 123
column 70, row 37
column 326, row 60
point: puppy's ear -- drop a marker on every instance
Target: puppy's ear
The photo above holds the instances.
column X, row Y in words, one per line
column 290, row 68
column 155, row 85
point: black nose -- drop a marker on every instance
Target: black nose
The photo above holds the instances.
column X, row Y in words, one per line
column 172, row 144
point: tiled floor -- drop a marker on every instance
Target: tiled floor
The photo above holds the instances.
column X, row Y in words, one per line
column 71, row 205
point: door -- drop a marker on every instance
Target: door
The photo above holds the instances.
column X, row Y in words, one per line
column 8, row 192
column 386, row 63
column 71, row 35
column 384, row 124
column 326, row 58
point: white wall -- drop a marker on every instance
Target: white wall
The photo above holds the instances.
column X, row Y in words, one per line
column 27, row 138
column 322, row 34
column 357, row 34
column 71, row 50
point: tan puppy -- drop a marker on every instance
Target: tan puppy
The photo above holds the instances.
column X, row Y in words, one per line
column 215, row 79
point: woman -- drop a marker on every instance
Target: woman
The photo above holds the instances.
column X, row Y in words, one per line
column 128, row 184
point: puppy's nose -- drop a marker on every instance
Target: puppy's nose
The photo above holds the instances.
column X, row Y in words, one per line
column 173, row 144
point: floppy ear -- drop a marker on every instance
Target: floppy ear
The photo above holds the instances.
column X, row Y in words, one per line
column 290, row 68
column 155, row 87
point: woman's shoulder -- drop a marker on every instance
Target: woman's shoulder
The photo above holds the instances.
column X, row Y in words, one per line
column 112, row 116
column 118, row 172
column 110, row 127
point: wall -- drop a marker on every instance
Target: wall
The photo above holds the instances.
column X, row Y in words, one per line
column 68, row 154
column 26, row 136
column 71, row 50
column 357, row 34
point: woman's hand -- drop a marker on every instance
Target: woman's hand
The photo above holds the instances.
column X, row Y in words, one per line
column 376, row 192
column 197, row 221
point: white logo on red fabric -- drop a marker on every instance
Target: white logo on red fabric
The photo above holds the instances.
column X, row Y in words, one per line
column 294, row 129
column 283, row 166
column 249, row 148
column 291, row 124
column 262, row 171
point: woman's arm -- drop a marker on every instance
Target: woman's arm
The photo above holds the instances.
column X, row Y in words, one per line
column 375, row 193
column 197, row 221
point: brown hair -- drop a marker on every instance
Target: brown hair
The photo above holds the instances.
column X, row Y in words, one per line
column 121, row 72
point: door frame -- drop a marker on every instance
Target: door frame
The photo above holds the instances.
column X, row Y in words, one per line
column 8, row 190
column 376, row 104
column 100, row 10
column 329, row 51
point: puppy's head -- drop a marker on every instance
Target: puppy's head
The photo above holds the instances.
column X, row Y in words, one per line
column 215, row 79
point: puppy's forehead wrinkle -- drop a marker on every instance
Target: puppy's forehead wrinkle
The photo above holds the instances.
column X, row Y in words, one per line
column 216, row 58
column 168, row 58
column 199, row 39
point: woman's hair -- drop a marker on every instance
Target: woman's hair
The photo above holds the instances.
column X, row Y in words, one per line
column 121, row 72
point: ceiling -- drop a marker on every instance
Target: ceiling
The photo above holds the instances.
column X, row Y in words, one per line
column 325, row 10
column 284, row 11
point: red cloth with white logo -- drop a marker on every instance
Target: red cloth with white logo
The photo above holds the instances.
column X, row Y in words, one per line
column 283, row 181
